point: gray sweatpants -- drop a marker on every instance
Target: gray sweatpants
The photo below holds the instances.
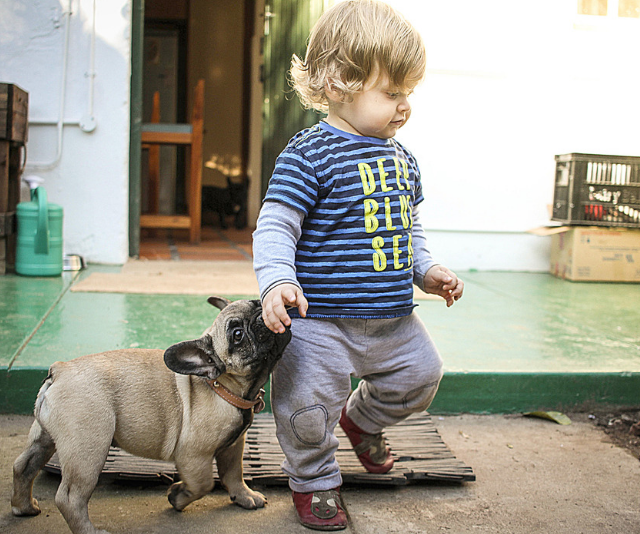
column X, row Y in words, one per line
column 400, row 367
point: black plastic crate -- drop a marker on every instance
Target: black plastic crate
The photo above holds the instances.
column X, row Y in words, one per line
column 597, row 190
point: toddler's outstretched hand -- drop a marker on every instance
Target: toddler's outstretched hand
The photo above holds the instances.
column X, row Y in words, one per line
column 275, row 303
column 441, row 281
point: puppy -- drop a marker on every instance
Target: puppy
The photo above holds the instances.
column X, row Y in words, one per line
column 131, row 399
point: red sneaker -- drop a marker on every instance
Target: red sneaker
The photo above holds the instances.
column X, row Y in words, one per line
column 371, row 449
column 320, row 510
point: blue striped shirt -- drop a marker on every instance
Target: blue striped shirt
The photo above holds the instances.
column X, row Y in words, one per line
column 355, row 255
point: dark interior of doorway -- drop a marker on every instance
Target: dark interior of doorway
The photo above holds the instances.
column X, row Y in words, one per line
column 166, row 31
column 165, row 72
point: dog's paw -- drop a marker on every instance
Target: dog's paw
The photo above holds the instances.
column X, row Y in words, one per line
column 179, row 496
column 249, row 499
column 31, row 509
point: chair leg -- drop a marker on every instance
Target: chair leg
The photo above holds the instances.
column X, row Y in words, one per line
column 195, row 195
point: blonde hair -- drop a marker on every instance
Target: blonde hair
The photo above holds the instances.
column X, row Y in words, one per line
column 350, row 42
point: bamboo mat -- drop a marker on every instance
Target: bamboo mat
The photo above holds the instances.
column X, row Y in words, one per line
column 421, row 456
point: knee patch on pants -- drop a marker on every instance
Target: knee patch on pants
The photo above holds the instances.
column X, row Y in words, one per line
column 419, row 399
column 309, row 425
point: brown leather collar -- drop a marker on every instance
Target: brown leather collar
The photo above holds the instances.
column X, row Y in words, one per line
column 257, row 404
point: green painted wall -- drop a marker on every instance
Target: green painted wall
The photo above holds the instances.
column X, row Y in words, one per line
column 286, row 34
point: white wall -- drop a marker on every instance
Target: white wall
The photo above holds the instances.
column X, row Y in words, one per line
column 509, row 85
column 90, row 180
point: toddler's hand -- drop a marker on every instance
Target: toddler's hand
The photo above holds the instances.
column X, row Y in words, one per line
column 275, row 303
column 441, row 281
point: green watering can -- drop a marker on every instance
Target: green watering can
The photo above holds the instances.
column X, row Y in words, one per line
column 39, row 239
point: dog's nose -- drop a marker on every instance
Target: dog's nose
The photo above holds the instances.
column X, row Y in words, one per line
column 260, row 330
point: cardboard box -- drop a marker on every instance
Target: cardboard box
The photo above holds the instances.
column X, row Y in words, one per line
column 594, row 254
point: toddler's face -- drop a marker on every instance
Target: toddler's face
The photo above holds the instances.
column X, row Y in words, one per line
column 379, row 110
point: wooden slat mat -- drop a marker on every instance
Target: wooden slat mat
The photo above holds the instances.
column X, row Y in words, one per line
column 420, row 454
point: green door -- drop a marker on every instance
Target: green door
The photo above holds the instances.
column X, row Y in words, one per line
column 287, row 27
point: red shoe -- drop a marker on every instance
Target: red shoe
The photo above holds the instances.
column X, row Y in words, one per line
column 320, row 510
column 371, row 449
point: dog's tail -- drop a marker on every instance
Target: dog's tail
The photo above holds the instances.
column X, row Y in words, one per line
column 46, row 384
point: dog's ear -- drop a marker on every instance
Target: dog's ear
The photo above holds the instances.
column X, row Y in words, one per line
column 195, row 357
column 219, row 302
column 282, row 340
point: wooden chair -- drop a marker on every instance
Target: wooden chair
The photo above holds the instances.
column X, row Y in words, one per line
column 154, row 159
column 190, row 135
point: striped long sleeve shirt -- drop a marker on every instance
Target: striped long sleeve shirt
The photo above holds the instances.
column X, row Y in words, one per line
column 343, row 227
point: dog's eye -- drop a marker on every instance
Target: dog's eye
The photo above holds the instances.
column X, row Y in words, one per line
column 238, row 334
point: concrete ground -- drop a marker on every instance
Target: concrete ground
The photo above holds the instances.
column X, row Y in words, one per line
column 533, row 476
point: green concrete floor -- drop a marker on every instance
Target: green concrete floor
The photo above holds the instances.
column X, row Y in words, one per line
column 515, row 342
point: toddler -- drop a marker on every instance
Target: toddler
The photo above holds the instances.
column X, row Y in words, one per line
column 337, row 249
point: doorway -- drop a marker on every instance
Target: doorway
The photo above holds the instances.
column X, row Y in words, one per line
column 164, row 83
column 242, row 50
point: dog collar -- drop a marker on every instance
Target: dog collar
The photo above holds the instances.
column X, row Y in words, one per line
column 257, row 404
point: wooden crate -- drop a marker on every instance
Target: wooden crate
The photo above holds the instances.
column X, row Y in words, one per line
column 14, row 105
column 10, row 160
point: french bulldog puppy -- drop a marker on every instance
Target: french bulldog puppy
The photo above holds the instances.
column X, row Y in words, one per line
column 189, row 404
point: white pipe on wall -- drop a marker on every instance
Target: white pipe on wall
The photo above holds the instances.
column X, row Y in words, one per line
column 38, row 166
column 88, row 122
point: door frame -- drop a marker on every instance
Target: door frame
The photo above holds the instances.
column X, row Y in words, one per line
column 135, row 141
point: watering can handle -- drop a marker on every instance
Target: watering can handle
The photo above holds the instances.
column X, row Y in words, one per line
column 42, row 234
